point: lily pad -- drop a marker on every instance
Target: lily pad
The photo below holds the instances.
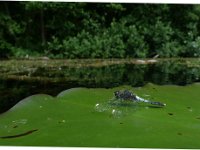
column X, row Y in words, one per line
column 84, row 117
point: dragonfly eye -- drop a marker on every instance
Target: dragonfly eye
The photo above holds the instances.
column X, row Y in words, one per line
column 117, row 93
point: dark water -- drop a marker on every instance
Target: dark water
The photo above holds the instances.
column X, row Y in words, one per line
column 165, row 72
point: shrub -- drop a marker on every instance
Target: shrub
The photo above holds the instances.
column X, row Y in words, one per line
column 135, row 44
column 5, row 49
column 170, row 49
column 54, row 47
column 117, row 41
column 193, row 48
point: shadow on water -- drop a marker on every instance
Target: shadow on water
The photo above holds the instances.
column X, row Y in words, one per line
column 52, row 80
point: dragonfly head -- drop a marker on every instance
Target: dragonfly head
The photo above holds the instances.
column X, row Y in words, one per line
column 117, row 94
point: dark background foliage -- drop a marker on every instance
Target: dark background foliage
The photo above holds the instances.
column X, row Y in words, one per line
column 98, row 30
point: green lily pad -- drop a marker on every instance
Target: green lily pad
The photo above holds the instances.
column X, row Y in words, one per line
column 84, row 117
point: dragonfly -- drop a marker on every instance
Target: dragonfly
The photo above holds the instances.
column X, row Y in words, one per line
column 126, row 95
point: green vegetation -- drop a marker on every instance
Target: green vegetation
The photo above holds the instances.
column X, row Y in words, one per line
column 98, row 30
column 87, row 117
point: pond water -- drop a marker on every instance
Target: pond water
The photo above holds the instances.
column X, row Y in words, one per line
column 22, row 78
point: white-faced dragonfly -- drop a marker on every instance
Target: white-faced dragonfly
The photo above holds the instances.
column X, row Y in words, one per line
column 129, row 96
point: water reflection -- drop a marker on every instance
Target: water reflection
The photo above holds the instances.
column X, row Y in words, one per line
column 52, row 80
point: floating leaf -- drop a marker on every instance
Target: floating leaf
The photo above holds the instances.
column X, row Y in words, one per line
column 83, row 117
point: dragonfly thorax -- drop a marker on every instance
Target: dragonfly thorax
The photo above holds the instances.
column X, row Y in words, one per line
column 125, row 95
